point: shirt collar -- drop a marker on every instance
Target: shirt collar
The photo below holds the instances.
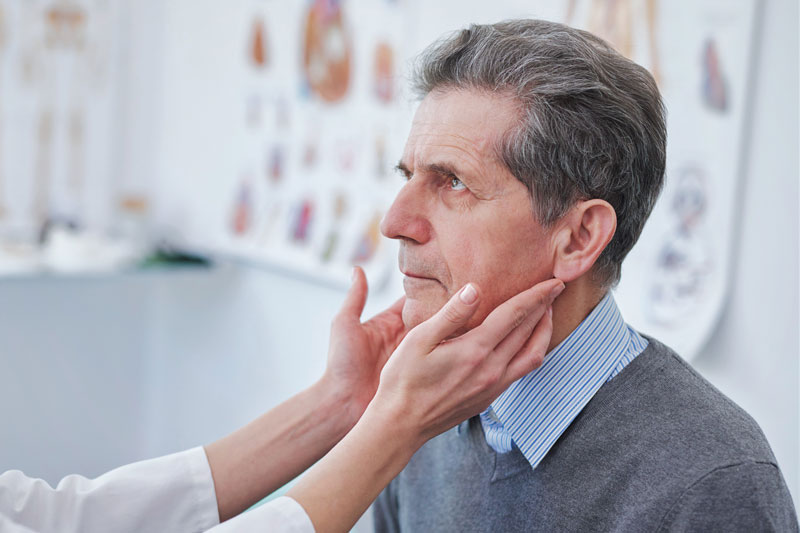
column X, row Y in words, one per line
column 536, row 409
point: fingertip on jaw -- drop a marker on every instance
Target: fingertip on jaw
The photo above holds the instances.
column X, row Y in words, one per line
column 469, row 295
column 556, row 290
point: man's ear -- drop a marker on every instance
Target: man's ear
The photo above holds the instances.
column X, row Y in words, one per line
column 581, row 236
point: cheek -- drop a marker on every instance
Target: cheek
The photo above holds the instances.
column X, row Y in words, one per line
column 486, row 258
column 464, row 258
column 504, row 269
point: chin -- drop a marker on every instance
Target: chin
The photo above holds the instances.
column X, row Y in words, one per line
column 415, row 312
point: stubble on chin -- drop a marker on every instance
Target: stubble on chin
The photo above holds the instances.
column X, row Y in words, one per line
column 412, row 315
column 415, row 312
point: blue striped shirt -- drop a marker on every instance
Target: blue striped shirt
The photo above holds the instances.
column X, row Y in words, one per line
column 535, row 410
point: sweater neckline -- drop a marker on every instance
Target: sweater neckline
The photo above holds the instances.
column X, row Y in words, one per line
column 500, row 466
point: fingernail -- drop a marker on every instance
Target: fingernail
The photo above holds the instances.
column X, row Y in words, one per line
column 468, row 294
column 555, row 291
column 353, row 275
column 550, row 312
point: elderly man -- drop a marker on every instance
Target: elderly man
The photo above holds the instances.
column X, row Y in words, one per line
column 538, row 151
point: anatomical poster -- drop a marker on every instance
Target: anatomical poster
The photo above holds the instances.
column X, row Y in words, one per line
column 305, row 101
column 58, row 76
column 283, row 120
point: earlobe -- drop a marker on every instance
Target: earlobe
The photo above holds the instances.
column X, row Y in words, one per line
column 582, row 236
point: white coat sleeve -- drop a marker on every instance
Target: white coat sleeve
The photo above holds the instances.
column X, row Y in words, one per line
column 281, row 515
column 174, row 493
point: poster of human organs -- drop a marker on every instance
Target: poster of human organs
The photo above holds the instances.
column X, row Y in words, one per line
column 302, row 112
column 283, row 122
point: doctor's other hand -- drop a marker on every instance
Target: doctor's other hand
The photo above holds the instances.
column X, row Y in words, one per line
column 433, row 382
column 430, row 383
column 358, row 351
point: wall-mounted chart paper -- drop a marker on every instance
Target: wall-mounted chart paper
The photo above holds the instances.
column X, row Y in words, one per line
column 58, row 81
column 282, row 121
column 287, row 147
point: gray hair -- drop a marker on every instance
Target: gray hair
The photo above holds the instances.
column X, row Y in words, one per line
column 591, row 122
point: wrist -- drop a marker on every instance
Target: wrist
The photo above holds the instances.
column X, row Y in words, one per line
column 391, row 415
column 340, row 400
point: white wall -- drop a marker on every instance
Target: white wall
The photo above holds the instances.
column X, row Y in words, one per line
column 72, row 354
column 753, row 355
column 101, row 371
column 227, row 346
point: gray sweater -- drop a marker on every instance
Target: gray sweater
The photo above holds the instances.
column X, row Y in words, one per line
column 658, row 448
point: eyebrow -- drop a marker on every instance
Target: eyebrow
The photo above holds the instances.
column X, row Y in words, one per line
column 443, row 169
column 402, row 169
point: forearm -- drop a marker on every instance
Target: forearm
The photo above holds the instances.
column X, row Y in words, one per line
column 339, row 488
column 276, row 447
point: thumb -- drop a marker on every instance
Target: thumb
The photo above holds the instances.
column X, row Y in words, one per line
column 356, row 296
column 450, row 318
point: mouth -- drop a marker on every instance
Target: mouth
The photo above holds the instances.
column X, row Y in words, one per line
column 416, row 284
column 417, row 276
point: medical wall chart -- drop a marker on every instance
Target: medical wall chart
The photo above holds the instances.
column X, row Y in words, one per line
column 268, row 130
column 281, row 140
column 674, row 282
column 58, row 76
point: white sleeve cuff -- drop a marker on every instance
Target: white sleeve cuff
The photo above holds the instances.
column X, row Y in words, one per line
column 205, row 495
column 281, row 515
column 171, row 493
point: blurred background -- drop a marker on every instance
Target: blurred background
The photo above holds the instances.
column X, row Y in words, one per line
column 184, row 186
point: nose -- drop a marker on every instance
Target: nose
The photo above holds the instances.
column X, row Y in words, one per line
column 407, row 218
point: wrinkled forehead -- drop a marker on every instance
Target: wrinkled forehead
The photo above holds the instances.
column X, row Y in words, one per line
column 459, row 124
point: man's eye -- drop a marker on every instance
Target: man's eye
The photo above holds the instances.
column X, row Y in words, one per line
column 456, row 184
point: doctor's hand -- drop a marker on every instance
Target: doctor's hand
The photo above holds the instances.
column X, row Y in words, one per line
column 432, row 382
column 429, row 384
column 276, row 447
column 357, row 351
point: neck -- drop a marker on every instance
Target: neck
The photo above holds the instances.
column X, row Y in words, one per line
column 572, row 307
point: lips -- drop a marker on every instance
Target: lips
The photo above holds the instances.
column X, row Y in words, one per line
column 416, row 284
column 415, row 268
column 415, row 275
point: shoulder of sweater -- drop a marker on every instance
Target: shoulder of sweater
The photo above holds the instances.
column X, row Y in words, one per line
column 664, row 403
column 738, row 497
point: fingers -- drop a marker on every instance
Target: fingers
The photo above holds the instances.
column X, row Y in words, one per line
column 518, row 336
column 514, row 312
column 394, row 316
column 449, row 319
column 389, row 327
column 356, row 296
column 531, row 356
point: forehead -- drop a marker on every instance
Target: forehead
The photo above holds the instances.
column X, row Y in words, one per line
column 459, row 127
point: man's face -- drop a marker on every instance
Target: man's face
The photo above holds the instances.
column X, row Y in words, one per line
column 462, row 217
